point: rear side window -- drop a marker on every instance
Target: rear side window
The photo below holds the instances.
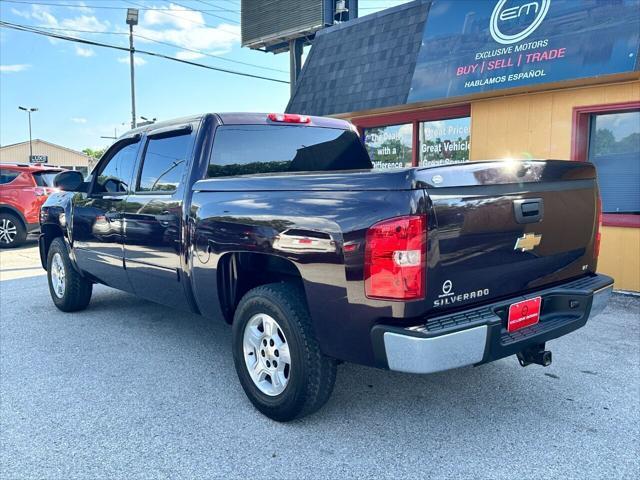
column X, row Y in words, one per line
column 251, row 149
column 45, row 179
column 164, row 162
column 8, row 176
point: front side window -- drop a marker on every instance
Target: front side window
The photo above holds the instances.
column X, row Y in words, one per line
column 114, row 175
column 444, row 141
column 252, row 149
column 8, row 176
column 614, row 148
column 164, row 161
column 390, row 147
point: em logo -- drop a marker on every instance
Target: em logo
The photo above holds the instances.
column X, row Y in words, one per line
column 501, row 16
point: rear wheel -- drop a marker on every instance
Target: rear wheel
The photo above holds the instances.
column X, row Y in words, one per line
column 277, row 358
column 12, row 231
column 69, row 290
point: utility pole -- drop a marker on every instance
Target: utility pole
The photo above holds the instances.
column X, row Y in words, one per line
column 132, row 19
column 29, row 110
column 295, row 61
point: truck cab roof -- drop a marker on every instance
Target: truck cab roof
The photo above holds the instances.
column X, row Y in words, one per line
column 239, row 118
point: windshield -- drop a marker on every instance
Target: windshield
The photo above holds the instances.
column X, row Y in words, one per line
column 45, row 179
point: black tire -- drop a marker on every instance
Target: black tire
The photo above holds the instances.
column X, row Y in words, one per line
column 12, row 231
column 76, row 292
column 312, row 374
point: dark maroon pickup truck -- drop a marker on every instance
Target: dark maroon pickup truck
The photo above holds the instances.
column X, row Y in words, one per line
column 278, row 225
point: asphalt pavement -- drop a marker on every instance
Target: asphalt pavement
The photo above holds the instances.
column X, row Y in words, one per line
column 130, row 389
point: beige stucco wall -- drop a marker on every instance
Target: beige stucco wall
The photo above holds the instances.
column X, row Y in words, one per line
column 58, row 156
column 537, row 125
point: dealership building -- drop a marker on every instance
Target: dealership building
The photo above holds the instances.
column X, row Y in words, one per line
column 447, row 81
column 46, row 153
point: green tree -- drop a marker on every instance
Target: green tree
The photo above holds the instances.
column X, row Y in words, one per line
column 94, row 153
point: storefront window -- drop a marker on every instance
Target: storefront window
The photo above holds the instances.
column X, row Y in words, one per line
column 445, row 141
column 614, row 147
column 390, row 147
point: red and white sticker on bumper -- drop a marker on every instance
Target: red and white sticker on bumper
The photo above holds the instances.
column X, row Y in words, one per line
column 524, row 314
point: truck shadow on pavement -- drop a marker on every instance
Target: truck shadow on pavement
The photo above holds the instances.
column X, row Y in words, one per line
column 137, row 377
column 30, row 242
column 361, row 394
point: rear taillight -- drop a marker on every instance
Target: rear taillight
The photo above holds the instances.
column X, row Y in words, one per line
column 596, row 243
column 288, row 118
column 395, row 259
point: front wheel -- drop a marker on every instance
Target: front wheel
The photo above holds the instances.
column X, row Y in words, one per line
column 69, row 290
column 276, row 355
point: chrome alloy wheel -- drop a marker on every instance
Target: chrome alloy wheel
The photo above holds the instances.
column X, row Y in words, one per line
column 8, row 231
column 266, row 354
column 58, row 275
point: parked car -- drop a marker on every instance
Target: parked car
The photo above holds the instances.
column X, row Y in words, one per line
column 279, row 225
column 23, row 190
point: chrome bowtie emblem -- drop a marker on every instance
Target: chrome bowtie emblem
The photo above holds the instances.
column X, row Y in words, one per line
column 527, row 242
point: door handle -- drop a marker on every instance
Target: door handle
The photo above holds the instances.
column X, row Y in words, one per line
column 113, row 198
column 529, row 210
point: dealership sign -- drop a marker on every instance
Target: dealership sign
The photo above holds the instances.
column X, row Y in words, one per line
column 38, row 159
column 472, row 46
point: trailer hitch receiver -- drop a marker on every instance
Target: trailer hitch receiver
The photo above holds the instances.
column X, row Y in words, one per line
column 536, row 354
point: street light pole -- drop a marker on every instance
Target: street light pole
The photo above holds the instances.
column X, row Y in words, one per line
column 29, row 110
column 132, row 19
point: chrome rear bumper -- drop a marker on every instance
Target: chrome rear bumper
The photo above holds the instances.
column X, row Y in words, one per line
column 483, row 338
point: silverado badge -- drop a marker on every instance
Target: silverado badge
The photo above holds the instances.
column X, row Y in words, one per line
column 527, row 242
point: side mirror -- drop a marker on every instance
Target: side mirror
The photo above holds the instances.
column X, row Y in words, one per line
column 69, row 181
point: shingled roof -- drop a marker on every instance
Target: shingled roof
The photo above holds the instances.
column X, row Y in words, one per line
column 362, row 64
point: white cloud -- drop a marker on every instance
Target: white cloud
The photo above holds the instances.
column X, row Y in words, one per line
column 85, row 52
column 179, row 17
column 20, row 67
column 187, row 55
column 80, row 120
column 187, row 28
column 85, row 21
column 172, row 24
column 44, row 15
column 82, row 7
column 137, row 60
column 21, row 13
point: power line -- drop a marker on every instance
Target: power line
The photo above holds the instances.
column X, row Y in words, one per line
column 209, row 54
column 154, row 9
column 103, row 7
column 160, row 42
column 166, row 12
column 97, row 32
column 26, row 28
column 300, row 7
column 219, row 9
column 210, row 14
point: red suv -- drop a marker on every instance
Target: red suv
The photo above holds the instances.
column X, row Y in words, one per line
column 23, row 190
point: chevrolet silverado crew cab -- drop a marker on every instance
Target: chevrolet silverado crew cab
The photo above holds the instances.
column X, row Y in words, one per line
column 278, row 225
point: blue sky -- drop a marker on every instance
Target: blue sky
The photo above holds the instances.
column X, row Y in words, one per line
column 82, row 92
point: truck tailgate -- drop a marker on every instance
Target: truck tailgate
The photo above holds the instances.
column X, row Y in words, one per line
column 504, row 228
